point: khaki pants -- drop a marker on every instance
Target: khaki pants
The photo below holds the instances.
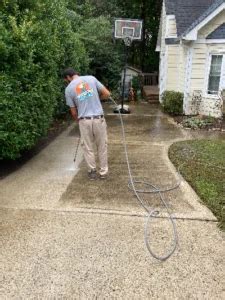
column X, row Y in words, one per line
column 94, row 132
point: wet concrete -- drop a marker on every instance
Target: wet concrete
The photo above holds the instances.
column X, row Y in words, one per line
column 144, row 129
column 64, row 237
column 137, row 109
column 149, row 133
column 114, row 193
column 40, row 183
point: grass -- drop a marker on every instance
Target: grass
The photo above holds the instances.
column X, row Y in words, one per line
column 204, row 168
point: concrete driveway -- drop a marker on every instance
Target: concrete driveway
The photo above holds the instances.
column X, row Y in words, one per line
column 63, row 237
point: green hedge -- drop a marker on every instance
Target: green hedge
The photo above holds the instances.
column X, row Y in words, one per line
column 172, row 102
column 36, row 43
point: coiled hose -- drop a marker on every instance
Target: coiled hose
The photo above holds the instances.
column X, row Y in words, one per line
column 151, row 189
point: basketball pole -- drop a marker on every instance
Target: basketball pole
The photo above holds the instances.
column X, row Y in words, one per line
column 128, row 30
column 124, row 78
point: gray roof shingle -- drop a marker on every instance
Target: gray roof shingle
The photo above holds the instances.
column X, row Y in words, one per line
column 189, row 13
column 170, row 6
column 219, row 33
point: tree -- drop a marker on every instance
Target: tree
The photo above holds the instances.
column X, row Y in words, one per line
column 96, row 33
column 142, row 54
column 37, row 42
column 40, row 38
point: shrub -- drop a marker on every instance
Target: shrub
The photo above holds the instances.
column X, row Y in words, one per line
column 172, row 102
column 197, row 122
column 36, row 43
column 136, row 83
column 38, row 39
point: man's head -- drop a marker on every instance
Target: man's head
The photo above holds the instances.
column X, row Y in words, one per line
column 69, row 74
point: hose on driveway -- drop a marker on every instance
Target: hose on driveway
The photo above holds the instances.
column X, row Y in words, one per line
column 150, row 189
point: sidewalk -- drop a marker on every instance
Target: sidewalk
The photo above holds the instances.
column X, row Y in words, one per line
column 63, row 237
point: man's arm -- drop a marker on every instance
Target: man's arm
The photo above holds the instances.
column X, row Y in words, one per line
column 73, row 112
column 70, row 103
column 104, row 93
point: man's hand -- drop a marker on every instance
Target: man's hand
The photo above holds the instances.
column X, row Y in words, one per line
column 73, row 112
column 104, row 94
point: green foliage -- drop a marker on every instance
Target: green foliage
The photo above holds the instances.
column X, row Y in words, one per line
column 142, row 54
column 104, row 57
column 172, row 102
column 136, row 83
column 36, row 42
column 40, row 38
column 197, row 123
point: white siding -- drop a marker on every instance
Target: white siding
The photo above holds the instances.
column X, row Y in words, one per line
column 185, row 68
column 163, row 54
column 163, row 45
column 173, row 68
column 172, row 65
column 199, row 78
column 177, row 56
column 171, row 30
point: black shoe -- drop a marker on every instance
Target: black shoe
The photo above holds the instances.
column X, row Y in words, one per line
column 92, row 175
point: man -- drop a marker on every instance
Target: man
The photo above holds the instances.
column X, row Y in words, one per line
column 83, row 95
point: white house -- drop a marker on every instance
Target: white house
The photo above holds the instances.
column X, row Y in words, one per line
column 191, row 43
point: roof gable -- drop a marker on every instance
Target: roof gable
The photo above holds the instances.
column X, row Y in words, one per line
column 190, row 13
column 219, row 33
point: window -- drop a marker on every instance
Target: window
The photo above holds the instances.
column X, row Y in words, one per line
column 215, row 74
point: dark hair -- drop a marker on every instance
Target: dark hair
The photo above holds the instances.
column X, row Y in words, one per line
column 69, row 72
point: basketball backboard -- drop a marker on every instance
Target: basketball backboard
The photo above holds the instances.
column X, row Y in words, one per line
column 128, row 28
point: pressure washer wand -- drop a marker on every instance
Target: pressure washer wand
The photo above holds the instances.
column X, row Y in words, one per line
column 77, row 148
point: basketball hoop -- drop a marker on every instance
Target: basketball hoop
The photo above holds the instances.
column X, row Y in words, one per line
column 128, row 30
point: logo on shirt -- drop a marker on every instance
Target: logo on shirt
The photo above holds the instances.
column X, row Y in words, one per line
column 83, row 91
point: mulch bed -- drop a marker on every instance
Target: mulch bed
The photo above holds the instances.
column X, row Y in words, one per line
column 213, row 125
column 9, row 166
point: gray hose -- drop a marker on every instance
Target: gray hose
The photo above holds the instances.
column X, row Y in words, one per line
column 152, row 190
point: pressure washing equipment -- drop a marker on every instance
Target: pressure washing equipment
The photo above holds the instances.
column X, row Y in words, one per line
column 149, row 189
column 124, row 109
column 76, row 150
column 130, row 30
